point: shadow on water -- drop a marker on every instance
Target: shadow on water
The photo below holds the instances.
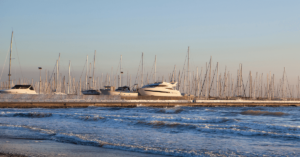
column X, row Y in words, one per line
column 161, row 124
column 33, row 115
column 90, row 118
column 170, row 111
column 262, row 113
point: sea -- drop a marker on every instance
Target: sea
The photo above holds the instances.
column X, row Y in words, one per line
column 174, row 131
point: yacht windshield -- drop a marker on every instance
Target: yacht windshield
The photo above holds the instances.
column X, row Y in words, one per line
column 22, row 87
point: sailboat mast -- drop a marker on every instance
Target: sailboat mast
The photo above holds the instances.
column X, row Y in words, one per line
column 89, row 76
column 94, row 70
column 87, row 69
column 142, row 68
column 9, row 74
column 69, row 78
column 155, row 70
column 121, row 72
column 56, row 82
column 188, row 72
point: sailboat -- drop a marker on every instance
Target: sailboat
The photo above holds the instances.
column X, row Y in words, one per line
column 17, row 89
column 56, row 91
column 91, row 91
column 122, row 90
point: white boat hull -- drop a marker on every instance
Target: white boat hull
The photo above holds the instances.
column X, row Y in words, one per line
column 17, row 91
column 158, row 92
column 121, row 93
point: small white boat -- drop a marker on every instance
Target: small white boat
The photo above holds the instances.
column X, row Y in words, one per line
column 91, row 92
column 19, row 89
column 122, row 91
column 59, row 93
column 160, row 89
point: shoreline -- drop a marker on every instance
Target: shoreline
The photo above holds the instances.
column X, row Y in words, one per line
column 11, row 155
column 172, row 103
column 11, row 147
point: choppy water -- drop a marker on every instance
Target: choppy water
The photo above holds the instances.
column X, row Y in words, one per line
column 178, row 131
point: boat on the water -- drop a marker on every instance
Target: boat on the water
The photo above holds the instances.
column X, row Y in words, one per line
column 160, row 89
column 122, row 91
column 19, row 89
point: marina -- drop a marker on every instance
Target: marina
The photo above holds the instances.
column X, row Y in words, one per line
column 209, row 84
column 149, row 78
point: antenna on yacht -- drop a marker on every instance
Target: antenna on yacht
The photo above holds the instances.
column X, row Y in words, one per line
column 9, row 74
column 173, row 73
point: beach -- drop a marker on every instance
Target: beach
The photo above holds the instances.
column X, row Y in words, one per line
column 12, row 147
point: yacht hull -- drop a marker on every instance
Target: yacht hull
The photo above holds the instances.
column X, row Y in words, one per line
column 17, row 91
column 88, row 92
column 158, row 92
column 121, row 93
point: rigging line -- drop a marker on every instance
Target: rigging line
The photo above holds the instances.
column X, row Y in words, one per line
column 118, row 69
column 18, row 57
column 4, row 65
column 138, row 72
column 183, row 67
column 51, row 77
column 152, row 69
column 244, row 87
column 288, row 85
column 205, row 78
column 212, row 80
column 81, row 74
column 174, row 74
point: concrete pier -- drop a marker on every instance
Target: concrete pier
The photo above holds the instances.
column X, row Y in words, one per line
column 148, row 104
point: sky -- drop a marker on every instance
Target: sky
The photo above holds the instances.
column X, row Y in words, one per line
column 264, row 36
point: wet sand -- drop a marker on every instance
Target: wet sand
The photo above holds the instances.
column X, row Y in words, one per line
column 42, row 148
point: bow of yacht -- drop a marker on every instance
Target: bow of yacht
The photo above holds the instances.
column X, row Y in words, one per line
column 160, row 89
column 19, row 89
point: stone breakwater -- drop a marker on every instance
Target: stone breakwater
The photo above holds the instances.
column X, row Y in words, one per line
column 150, row 103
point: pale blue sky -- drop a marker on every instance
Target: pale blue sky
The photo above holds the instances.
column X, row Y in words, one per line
column 262, row 35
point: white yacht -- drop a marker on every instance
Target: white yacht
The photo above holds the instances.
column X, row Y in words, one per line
column 160, row 89
column 91, row 92
column 122, row 91
column 19, row 89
